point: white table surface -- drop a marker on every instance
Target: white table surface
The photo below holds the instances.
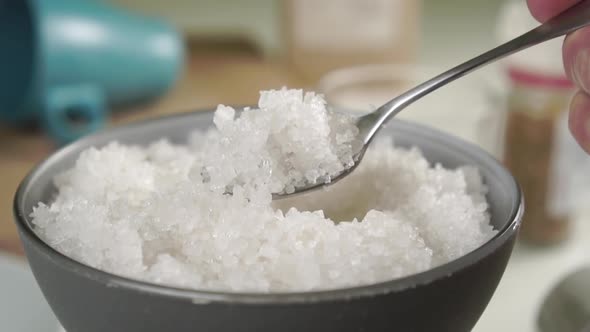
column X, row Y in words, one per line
column 22, row 306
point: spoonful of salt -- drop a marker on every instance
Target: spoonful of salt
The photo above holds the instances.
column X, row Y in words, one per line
column 574, row 18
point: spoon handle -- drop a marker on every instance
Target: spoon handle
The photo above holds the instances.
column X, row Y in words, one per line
column 570, row 20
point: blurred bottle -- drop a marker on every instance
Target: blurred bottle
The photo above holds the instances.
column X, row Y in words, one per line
column 536, row 109
column 323, row 35
column 538, row 147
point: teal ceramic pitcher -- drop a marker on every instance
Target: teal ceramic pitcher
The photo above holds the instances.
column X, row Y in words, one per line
column 64, row 63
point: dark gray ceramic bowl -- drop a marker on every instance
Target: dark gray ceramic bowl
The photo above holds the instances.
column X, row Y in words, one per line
column 450, row 297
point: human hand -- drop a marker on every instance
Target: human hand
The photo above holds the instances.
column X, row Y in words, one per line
column 576, row 60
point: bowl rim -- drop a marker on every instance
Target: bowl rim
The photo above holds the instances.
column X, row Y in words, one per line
column 202, row 296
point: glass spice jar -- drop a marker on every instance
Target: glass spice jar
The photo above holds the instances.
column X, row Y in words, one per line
column 536, row 106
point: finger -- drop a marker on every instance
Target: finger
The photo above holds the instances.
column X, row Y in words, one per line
column 543, row 10
column 579, row 119
column 576, row 58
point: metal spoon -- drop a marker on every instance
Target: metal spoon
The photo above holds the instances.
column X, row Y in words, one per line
column 570, row 20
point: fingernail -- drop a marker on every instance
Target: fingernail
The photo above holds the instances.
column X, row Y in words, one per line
column 580, row 120
column 581, row 69
column 586, row 145
column 584, row 119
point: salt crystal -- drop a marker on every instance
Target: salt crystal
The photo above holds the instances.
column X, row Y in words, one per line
column 162, row 214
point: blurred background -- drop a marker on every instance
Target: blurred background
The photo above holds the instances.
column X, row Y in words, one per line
column 72, row 67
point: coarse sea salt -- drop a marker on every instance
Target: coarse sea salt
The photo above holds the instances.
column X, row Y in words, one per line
column 162, row 214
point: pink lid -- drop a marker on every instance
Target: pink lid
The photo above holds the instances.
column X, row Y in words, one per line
column 539, row 80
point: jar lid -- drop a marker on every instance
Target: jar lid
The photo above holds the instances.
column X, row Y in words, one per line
column 535, row 79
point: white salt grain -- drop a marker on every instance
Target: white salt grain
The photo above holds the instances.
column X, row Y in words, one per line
column 160, row 213
column 290, row 141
